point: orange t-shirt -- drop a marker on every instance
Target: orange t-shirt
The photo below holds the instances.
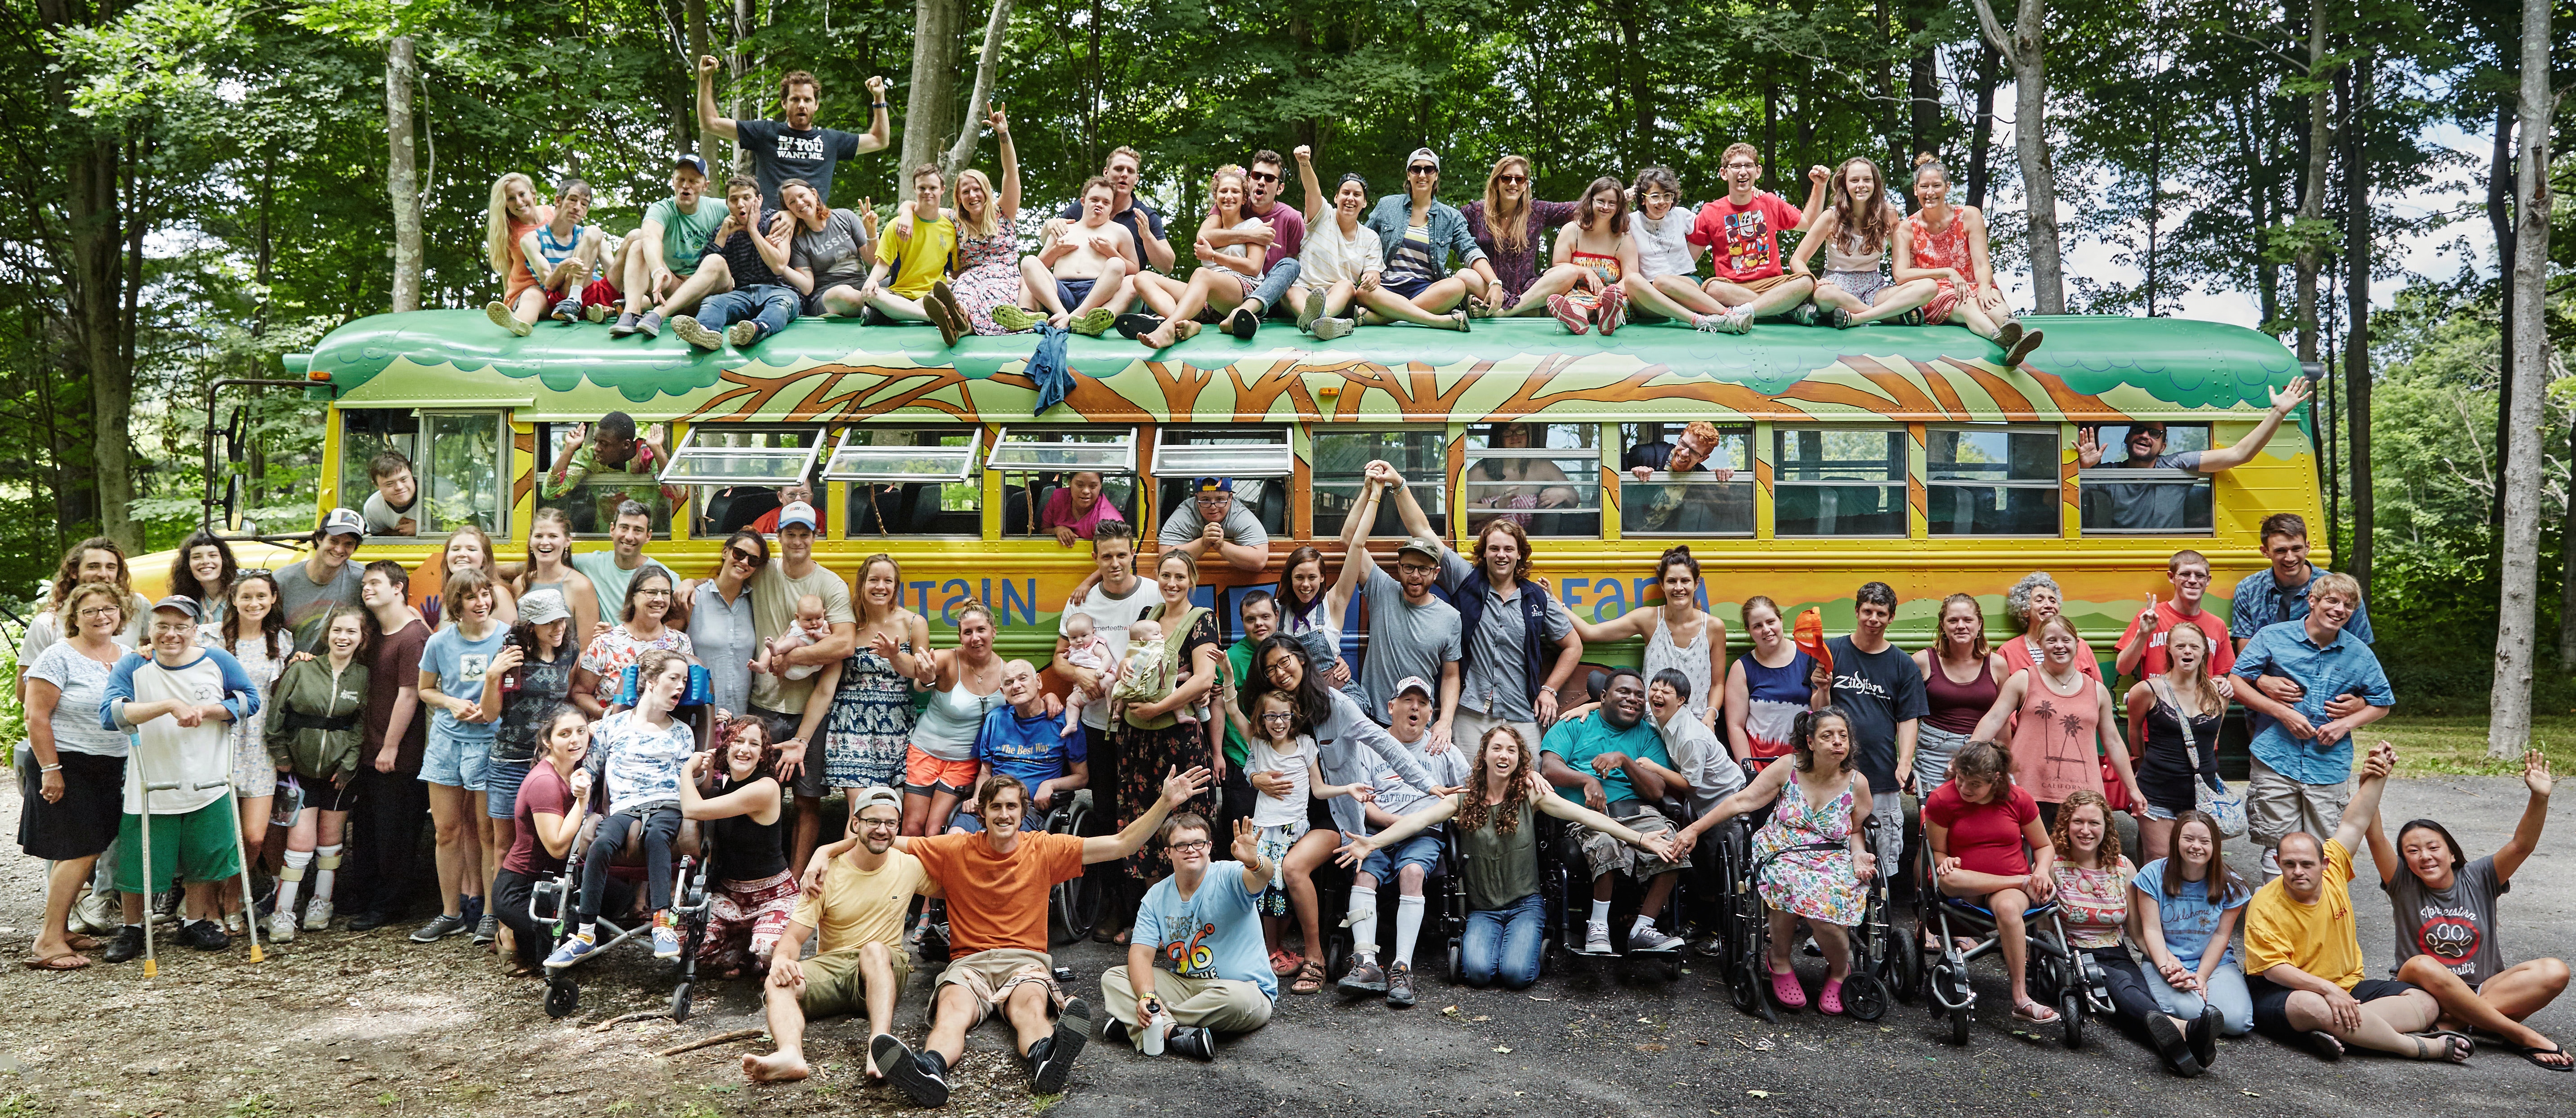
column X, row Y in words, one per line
column 998, row 900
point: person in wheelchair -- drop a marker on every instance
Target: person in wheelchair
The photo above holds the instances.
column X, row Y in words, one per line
column 1711, row 774
column 1617, row 760
column 2093, row 885
column 751, row 892
column 1813, row 854
column 1409, row 862
column 646, row 751
column 1977, row 827
column 1498, row 847
column 1020, row 740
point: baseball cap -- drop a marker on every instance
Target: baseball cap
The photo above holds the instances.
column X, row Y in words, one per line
column 690, row 160
column 796, row 513
column 1422, row 154
column 1215, row 485
column 1423, row 546
column 870, row 797
column 543, row 605
column 180, row 602
column 342, row 522
column 1415, row 683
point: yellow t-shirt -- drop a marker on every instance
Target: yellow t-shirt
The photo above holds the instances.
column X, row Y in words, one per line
column 923, row 257
column 859, row 907
column 2318, row 938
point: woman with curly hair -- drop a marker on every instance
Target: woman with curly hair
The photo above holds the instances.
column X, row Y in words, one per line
column 2093, row 880
column 739, row 808
column 1506, row 916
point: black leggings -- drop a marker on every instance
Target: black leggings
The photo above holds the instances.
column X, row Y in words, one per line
column 660, row 828
column 511, row 891
column 2131, row 1003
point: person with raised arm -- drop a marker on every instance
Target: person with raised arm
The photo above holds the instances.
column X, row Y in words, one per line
column 1343, row 260
column 2147, row 507
column 988, row 246
column 1742, row 233
column 1412, row 632
column 791, row 147
column 1855, row 234
column 1199, row 920
column 2142, row 647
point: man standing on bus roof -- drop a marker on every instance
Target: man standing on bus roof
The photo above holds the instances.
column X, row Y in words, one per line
column 1508, row 621
column 662, row 254
column 306, row 591
column 2149, row 507
column 792, row 148
column 618, row 465
column 1212, row 518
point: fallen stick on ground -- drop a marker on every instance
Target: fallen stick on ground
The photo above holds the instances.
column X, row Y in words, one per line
column 641, row 1015
column 719, row 1038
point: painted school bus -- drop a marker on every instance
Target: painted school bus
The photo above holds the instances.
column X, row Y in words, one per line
column 1900, row 454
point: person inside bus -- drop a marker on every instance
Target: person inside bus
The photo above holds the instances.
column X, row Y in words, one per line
column 2152, row 506
column 1072, row 510
column 662, row 253
column 1213, row 519
column 1503, row 482
column 393, row 509
column 791, row 147
column 799, row 491
column 1684, row 508
column 618, row 464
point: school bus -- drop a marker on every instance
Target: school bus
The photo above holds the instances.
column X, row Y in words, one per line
column 1902, row 454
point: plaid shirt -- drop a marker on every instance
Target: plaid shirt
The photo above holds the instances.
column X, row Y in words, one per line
column 2260, row 601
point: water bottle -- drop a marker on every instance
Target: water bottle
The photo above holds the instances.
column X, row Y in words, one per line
column 1158, row 1025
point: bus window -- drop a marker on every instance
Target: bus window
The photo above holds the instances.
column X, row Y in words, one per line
column 1258, row 459
column 740, row 473
column 1419, row 455
column 1691, row 503
column 1549, row 474
column 1838, row 481
column 2131, row 493
column 912, row 481
column 1047, row 470
column 1991, row 481
column 366, row 433
column 458, row 459
column 591, row 500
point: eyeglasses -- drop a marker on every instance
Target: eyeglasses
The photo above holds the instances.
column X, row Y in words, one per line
column 1278, row 716
column 1659, row 196
column 1261, row 176
column 2192, row 576
column 101, row 611
column 1200, row 845
column 652, row 593
column 1743, row 166
column 1511, row 178
column 1421, row 169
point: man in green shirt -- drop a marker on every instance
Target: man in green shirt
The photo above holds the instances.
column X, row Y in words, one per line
column 1616, row 762
column 656, row 258
column 617, row 465
column 1260, row 613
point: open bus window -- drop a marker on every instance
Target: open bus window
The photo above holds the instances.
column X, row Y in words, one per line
column 1061, row 476
column 588, row 491
column 1838, row 481
column 1341, row 457
column 911, row 481
column 1991, row 481
column 1257, row 459
column 1693, row 502
column 1545, row 476
column 741, row 472
column 459, row 464
column 2141, row 489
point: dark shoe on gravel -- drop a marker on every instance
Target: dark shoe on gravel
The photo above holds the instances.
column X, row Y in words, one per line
column 1399, row 985
column 205, row 935
column 127, row 945
column 2202, row 1036
column 1195, row 1043
column 1051, row 1059
column 1364, row 977
column 922, row 1078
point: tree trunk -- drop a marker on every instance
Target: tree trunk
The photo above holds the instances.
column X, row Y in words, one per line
column 2500, row 175
column 2509, row 724
column 2312, row 199
column 98, row 283
column 695, row 11
column 2356, row 353
column 402, row 171
column 996, row 28
column 2025, row 49
column 930, row 105
column 1923, row 97
column 1981, row 141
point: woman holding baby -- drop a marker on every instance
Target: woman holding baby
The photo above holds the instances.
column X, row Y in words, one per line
column 1171, row 728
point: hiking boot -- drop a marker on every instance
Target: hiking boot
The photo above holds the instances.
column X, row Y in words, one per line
column 1364, row 977
column 1399, row 985
column 698, row 337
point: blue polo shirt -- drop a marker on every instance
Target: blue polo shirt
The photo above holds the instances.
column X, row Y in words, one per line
column 1030, row 750
column 1580, row 740
column 2345, row 666
column 2260, row 601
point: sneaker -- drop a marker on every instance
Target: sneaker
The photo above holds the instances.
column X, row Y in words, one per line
column 2271, row 863
column 625, row 325
column 1613, row 309
column 1570, row 313
column 165, row 906
column 96, row 914
column 573, row 949
column 234, row 924
column 567, row 311
column 1327, row 329
column 1051, row 1059
column 370, row 920
column 1804, row 314
column 1709, row 323
column 1093, row 323
column 1113, row 1031
column 1840, row 319
column 1243, row 323
column 595, row 313
column 743, row 334
column 281, row 928
column 1647, row 937
column 204, row 935
column 666, row 940
column 1399, row 985
column 1013, row 319
column 499, row 313
column 1740, row 320
column 650, row 325
column 1364, row 977
column 1311, row 311
column 440, row 927
column 922, row 1078
column 1195, row 1043
column 318, row 914
column 698, row 337
column 1710, row 943
column 2008, row 333
column 2019, row 352
column 1596, row 937
column 487, row 929
column 127, row 944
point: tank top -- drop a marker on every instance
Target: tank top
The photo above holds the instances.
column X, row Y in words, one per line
column 949, row 724
column 2053, row 740
column 1498, row 869
column 554, row 251
column 1773, row 698
column 1604, row 266
column 1944, row 248
column 1691, row 660
column 2164, row 769
column 1840, row 259
column 746, row 849
column 1956, row 707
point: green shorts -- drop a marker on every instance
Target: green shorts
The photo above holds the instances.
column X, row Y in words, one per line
column 199, row 846
column 834, row 986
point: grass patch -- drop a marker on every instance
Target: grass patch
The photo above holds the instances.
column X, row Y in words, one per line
column 2446, row 745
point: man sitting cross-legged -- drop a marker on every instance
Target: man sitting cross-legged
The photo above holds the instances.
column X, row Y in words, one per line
column 1203, row 920
column 1082, row 274
column 861, row 960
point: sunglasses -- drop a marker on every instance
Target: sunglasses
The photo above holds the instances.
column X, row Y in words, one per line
column 1421, row 170
column 1262, row 176
column 1511, row 178
column 745, row 556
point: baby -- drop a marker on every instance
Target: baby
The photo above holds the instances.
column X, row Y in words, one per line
column 1084, row 647
column 1141, row 678
column 811, row 626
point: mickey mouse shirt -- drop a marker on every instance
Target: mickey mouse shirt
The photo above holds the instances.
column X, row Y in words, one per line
column 2456, row 926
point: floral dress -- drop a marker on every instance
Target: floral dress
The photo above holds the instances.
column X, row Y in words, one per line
column 1816, row 884
column 870, row 723
column 988, row 276
column 253, row 773
column 616, row 650
column 1943, row 248
column 1145, row 757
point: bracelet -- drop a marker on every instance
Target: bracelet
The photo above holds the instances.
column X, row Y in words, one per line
column 1545, row 689
column 876, row 104
column 49, row 768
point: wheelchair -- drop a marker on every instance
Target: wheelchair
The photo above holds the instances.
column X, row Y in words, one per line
column 1566, row 879
column 552, row 904
column 1879, row 965
column 2059, row 974
column 1444, row 912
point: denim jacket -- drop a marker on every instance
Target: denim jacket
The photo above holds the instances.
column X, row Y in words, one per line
column 1448, row 229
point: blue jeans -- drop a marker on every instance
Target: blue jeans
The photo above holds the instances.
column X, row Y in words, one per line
column 2226, row 991
column 768, row 304
column 1502, row 944
column 1274, row 286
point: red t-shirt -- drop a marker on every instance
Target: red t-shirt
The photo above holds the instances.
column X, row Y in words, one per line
column 2222, row 652
column 1985, row 838
column 1743, row 241
column 993, row 900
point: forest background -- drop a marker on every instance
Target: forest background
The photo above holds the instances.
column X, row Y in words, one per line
column 190, row 189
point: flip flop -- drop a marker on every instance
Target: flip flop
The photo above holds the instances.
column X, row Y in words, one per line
column 2534, row 1056
column 2457, row 1047
column 65, row 961
column 2325, row 1045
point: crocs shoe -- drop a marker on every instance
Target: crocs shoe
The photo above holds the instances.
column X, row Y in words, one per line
column 1830, row 999
column 1013, row 319
column 1094, row 322
column 1786, row 991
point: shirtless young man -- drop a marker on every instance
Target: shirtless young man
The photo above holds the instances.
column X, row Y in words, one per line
column 1085, row 270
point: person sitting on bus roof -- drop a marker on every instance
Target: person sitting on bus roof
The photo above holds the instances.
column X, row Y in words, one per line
column 660, row 255
column 1747, row 224
column 742, row 262
column 1855, row 233
column 614, row 462
column 1418, row 234
column 1340, row 268
column 1947, row 245
column 566, row 255
column 1666, row 281
column 513, row 214
column 791, row 147
column 2148, row 506
column 1083, row 271
column 1223, row 279
column 827, row 261
column 914, row 253
column 1130, row 211
column 393, row 509
column 1511, row 224
column 1213, row 518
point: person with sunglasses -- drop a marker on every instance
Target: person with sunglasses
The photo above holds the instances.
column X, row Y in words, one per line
column 1279, row 244
column 1419, row 234
column 2148, row 506
column 1511, row 226
column 721, row 627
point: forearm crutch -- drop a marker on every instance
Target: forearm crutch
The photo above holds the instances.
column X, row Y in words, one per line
column 241, row 849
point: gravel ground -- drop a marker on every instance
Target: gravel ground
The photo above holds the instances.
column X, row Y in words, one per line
column 341, row 1024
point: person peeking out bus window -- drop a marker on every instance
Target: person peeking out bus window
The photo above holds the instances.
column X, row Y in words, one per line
column 394, row 508
column 2151, row 507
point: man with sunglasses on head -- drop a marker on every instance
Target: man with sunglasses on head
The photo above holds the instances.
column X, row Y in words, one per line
column 2151, row 506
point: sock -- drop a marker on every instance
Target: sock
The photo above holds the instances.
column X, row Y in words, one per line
column 291, row 880
column 1644, row 924
column 327, row 862
column 589, row 932
column 1363, row 922
column 1600, row 912
column 1408, row 927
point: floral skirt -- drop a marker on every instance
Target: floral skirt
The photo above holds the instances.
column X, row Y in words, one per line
column 869, row 726
column 986, row 286
column 744, row 919
column 1816, row 884
column 1145, row 757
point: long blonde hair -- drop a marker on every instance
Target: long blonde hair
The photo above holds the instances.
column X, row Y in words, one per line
column 1510, row 227
column 496, row 223
column 983, row 224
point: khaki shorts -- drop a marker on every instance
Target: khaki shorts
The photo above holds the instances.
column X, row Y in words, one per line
column 2276, row 805
column 1605, row 853
column 992, row 975
column 1761, row 285
column 835, row 986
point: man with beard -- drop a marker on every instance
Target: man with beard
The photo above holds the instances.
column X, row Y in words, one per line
column 861, row 961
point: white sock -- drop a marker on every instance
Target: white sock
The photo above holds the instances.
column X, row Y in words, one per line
column 1408, row 927
column 1600, row 912
column 1363, row 922
column 1643, row 925
column 291, row 881
column 325, row 866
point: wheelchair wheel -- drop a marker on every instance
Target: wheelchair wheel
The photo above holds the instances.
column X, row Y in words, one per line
column 2070, row 1014
column 563, row 995
column 1907, row 966
column 1075, row 907
column 1949, row 990
column 1864, row 996
column 680, row 1001
column 1457, row 965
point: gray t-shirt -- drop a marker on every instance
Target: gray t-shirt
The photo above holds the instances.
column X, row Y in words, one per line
column 2143, row 506
column 610, row 581
column 1241, row 527
column 1404, row 639
column 1495, row 682
column 2456, row 926
column 383, row 518
column 1447, row 768
column 305, row 604
column 832, row 253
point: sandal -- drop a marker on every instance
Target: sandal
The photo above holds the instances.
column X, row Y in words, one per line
column 1310, row 978
column 2326, row 1046
column 2032, row 1012
column 65, row 961
column 2537, row 1056
column 1284, row 963
column 2456, row 1046
column 1786, row 991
